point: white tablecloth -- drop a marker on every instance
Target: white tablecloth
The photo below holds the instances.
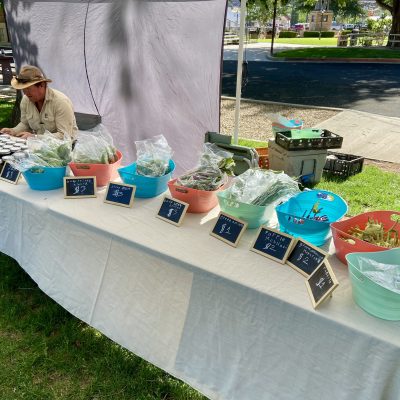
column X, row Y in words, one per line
column 231, row 323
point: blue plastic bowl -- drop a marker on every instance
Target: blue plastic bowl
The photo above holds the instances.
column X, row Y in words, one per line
column 45, row 178
column 292, row 215
column 146, row 186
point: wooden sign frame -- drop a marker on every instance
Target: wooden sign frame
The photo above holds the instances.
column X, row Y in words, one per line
column 314, row 303
column 308, row 245
column 186, row 206
column 233, row 244
column 116, row 202
column 9, row 180
column 68, row 178
column 287, row 252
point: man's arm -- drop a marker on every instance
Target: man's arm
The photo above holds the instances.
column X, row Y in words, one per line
column 64, row 119
column 23, row 126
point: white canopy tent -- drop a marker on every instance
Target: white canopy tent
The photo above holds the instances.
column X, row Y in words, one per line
column 147, row 67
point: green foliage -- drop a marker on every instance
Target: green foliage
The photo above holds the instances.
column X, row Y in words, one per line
column 342, row 8
column 346, row 32
column 287, row 34
column 6, row 108
column 340, row 52
column 262, row 10
column 382, row 25
column 325, row 34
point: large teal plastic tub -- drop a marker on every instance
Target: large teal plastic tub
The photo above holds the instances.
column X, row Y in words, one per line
column 295, row 216
column 254, row 215
column 45, row 178
column 369, row 295
column 146, row 186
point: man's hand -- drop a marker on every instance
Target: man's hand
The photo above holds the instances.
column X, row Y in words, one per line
column 7, row 131
column 25, row 135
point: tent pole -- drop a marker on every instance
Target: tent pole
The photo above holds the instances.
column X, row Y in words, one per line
column 239, row 70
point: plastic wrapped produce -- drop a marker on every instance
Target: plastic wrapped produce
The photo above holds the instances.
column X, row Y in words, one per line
column 262, row 187
column 153, row 156
column 386, row 275
column 95, row 147
column 44, row 151
column 214, row 167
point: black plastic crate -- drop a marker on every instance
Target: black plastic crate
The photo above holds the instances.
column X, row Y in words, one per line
column 343, row 165
column 328, row 140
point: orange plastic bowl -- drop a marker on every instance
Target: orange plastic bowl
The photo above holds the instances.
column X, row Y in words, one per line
column 104, row 173
column 340, row 229
column 200, row 201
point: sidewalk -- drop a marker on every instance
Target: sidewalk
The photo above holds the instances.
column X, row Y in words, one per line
column 369, row 135
column 262, row 52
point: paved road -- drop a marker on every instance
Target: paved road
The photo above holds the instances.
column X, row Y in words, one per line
column 373, row 88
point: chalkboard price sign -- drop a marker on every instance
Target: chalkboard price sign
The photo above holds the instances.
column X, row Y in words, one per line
column 305, row 258
column 321, row 283
column 79, row 187
column 273, row 244
column 9, row 174
column 172, row 210
column 120, row 194
column 228, row 229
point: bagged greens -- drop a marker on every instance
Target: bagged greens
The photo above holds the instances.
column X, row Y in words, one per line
column 262, row 187
column 95, row 147
column 44, row 151
column 214, row 167
column 153, row 156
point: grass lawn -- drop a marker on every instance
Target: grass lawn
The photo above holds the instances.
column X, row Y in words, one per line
column 339, row 52
column 305, row 41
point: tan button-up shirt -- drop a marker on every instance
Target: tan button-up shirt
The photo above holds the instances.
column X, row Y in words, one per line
column 57, row 116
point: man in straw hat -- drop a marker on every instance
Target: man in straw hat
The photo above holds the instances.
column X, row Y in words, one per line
column 42, row 108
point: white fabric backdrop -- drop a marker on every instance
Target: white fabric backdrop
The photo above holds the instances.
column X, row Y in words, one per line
column 153, row 66
column 231, row 323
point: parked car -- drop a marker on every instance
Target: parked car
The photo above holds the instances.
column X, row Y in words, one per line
column 348, row 26
column 336, row 27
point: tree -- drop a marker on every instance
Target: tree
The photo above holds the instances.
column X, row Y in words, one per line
column 262, row 10
column 342, row 8
column 393, row 6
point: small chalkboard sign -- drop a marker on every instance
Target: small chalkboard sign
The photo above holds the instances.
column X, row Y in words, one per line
column 172, row 210
column 79, row 187
column 9, row 174
column 120, row 194
column 273, row 244
column 321, row 283
column 228, row 229
column 305, row 258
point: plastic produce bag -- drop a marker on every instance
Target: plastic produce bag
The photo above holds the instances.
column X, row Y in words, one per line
column 95, row 147
column 386, row 275
column 262, row 187
column 212, row 172
column 43, row 151
column 153, row 156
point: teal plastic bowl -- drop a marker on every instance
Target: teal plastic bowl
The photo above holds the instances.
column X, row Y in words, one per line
column 146, row 186
column 254, row 215
column 369, row 295
column 292, row 215
column 45, row 178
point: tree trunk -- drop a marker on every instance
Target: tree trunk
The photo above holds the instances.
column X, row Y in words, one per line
column 16, row 112
column 394, row 41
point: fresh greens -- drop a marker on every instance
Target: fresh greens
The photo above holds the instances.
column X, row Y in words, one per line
column 203, row 178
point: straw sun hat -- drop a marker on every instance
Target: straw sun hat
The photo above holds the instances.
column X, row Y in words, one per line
column 28, row 76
